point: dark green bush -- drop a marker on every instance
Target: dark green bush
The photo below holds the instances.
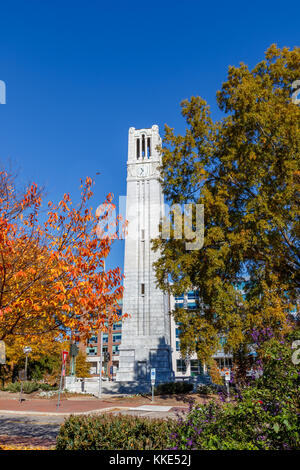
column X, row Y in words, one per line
column 172, row 388
column 207, row 389
column 114, row 433
column 28, row 387
column 47, row 387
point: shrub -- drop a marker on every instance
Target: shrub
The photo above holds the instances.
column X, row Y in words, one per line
column 28, row 387
column 207, row 389
column 172, row 388
column 255, row 423
column 114, row 433
column 47, row 387
column 264, row 416
column 13, row 387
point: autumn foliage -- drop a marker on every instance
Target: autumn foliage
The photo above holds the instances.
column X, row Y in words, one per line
column 52, row 276
column 244, row 169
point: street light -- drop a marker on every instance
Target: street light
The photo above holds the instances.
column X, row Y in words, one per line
column 100, row 366
column 100, row 362
column 26, row 351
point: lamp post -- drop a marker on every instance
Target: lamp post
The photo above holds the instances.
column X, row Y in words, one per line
column 100, row 362
column 100, row 366
column 26, row 351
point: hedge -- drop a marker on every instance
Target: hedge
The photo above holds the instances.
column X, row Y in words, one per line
column 108, row 432
column 172, row 388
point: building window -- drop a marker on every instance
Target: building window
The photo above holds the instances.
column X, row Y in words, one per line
column 143, row 146
column 149, row 146
column 192, row 294
column 177, row 332
column 91, row 351
column 115, row 350
column 117, row 338
column 179, row 305
column 93, row 339
column 117, row 326
column 224, row 362
column 105, row 338
column 177, row 345
column 181, row 365
column 192, row 305
column 138, row 148
column 196, row 367
column 143, row 289
column 179, row 297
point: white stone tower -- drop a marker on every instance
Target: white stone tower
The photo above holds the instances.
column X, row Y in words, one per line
column 146, row 334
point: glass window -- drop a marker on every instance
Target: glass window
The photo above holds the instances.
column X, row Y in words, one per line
column 181, row 365
column 177, row 345
column 191, row 295
column 91, row 351
column 196, row 367
column 179, row 305
column 191, row 305
column 115, row 350
column 105, row 338
column 93, row 339
column 177, row 331
column 117, row 338
column 179, row 297
column 117, row 326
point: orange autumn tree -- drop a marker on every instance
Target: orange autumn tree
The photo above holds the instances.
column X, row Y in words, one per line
column 52, row 276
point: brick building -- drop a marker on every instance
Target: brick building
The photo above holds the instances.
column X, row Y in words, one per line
column 111, row 341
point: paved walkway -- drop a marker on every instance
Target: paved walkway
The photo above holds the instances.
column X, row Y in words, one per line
column 82, row 405
column 35, row 422
column 44, row 406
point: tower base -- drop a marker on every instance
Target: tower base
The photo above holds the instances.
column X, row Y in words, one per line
column 136, row 361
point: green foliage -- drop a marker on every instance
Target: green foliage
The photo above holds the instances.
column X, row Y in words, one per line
column 28, row 387
column 172, row 388
column 13, row 387
column 263, row 416
column 107, row 432
column 207, row 389
column 82, row 365
column 45, row 367
column 245, row 170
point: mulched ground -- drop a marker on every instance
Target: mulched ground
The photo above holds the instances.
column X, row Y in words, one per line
column 25, row 443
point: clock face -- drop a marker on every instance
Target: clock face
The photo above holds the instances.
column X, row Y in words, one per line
column 142, row 171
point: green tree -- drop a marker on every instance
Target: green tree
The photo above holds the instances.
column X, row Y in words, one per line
column 244, row 168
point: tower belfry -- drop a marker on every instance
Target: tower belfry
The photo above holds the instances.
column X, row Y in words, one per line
column 146, row 334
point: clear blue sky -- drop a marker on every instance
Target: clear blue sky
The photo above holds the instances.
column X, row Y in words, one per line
column 79, row 74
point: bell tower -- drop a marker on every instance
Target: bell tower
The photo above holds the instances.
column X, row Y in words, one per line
column 146, row 334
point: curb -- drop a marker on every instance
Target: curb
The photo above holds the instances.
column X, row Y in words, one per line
column 50, row 413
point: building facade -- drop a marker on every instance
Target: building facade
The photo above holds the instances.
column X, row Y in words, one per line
column 111, row 341
column 191, row 366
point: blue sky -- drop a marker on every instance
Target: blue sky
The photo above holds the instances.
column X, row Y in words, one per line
column 79, row 74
